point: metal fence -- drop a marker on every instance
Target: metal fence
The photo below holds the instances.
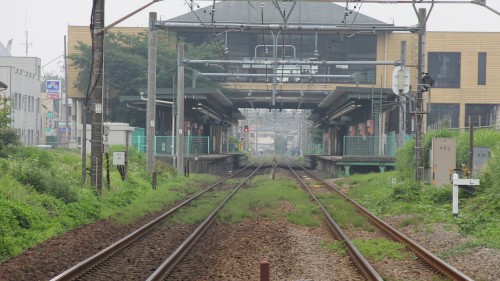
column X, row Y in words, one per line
column 315, row 149
column 385, row 145
column 164, row 145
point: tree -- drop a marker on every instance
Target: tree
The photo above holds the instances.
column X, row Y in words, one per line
column 126, row 65
column 5, row 113
column 7, row 135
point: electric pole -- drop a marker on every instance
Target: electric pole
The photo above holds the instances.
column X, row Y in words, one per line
column 180, row 107
column 98, row 30
column 96, row 27
column 151, row 103
column 419, row 107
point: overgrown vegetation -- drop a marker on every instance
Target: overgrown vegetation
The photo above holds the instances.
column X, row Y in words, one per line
column 264, row 195
column 8, row 136
column 41, row 195
column 395, row 193
column 343, row 212
column 337, row 246
column 379, row 249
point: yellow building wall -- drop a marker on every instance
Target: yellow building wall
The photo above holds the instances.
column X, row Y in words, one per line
column 469, row 44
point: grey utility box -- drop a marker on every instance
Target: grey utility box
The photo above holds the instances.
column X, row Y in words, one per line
column 442, row 160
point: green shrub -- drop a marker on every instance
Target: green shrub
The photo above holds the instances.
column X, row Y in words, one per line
column 406, row 192
column 405, row 159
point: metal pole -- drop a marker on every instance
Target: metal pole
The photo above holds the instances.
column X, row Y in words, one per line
column 180, row 107
column 125, row 173
column 419, row 110
column 173, row 121
column 151, row 104
column 471, row 146
column 275, row 65
column 83, row 141
column 68, row 132
column 96, row 110
column 402, row 100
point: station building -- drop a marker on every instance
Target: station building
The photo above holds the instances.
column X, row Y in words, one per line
column 353, row 103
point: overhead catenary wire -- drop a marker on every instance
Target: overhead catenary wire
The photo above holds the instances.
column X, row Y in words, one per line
column 220, row 52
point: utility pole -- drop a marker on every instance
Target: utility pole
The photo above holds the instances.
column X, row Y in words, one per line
column 98, row 30
column 96, row 102
column 151, row 102
column 402, row 99
column 419, row 106
column 66, row 112
column 180, row 107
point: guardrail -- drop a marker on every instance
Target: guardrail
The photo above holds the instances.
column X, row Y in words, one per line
column 385, row 145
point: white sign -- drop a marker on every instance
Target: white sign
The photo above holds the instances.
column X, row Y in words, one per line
column 466, row 181
column 456, row 183
column 119, row 158
column 401, row 80
column 98, row 108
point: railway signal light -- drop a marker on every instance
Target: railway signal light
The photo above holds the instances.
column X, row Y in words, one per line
column 246, row 129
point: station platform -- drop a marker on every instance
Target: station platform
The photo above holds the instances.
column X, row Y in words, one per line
column 339, row 166
column 214, row 164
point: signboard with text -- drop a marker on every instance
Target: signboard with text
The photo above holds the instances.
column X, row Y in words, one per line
column 53, row 89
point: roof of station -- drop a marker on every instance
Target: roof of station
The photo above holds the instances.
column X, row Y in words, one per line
column 208, row 97
column 321, row 98
column 306, row 13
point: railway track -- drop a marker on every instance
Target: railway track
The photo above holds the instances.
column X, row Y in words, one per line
column 164, row 269
column 160, row 251
column 430, row 260
column 113, row 260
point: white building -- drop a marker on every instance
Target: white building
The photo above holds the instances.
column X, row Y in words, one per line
column 22, row 76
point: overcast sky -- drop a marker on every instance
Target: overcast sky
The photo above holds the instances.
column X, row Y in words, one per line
column 46, row 21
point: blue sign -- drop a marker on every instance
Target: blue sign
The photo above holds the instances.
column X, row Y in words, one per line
column 53, row 86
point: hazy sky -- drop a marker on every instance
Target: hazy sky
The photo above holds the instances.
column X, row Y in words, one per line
column 46, row 21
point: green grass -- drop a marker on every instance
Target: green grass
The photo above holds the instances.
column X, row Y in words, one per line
column 41, row 195
column 461, row 249
column 422, row 204
column 263, row 195
column 337, row 246
column 379, row 249
column 199, row 209
column 343, row 212
column 151, row 200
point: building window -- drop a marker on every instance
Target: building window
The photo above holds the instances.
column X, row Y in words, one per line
column 443, row 116
column 480, row 115
column 444, row 68
column 481, row 68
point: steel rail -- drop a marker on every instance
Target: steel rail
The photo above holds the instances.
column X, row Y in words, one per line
column 163, row 270
column 440, row 265
column 117, row 246
column 354, row 253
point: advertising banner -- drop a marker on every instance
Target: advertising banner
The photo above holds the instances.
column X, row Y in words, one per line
column 53, row 89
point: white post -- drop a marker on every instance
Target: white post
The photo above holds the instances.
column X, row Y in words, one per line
column 455, row 195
